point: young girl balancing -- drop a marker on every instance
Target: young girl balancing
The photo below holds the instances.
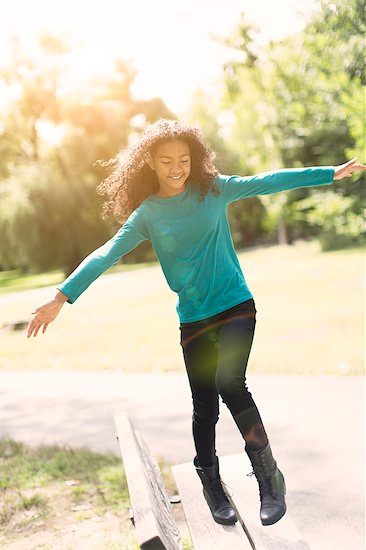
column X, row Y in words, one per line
column 166, row 189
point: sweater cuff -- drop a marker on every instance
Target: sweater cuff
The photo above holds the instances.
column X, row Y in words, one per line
column 69, row 300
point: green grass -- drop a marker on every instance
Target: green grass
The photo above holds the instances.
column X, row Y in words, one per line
column 28, row 473
column 28, row 468
column 46, row 490
column 15, row 281
column 310, row 318
column 11, row 281
column 40, row 484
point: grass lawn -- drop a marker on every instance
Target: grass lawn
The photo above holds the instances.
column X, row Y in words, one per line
column 55, row 497
column 50, row 493
column 12, row 281
column 310, row 318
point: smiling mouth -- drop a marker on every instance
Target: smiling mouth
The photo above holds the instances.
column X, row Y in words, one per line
column 176, row 177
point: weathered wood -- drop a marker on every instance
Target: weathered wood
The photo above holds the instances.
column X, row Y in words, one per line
column 152, row 513
column 283, row 535
column 153, row 518
column 206, row 534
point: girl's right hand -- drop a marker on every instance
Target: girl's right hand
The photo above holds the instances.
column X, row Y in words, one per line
column 44, row 315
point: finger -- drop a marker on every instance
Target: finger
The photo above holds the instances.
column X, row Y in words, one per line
column 353, row 160
column 349, row 163
column 44, row 327
column 29, row 330
column 36, row 330
column 31, row 326
column 355, row 168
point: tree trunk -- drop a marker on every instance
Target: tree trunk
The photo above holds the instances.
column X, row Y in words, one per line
column 282, row 236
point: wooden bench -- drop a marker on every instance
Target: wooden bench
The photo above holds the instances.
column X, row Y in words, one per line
column 152, row 512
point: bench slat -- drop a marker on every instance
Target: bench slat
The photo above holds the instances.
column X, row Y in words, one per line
column 206, row 534
column 283, row 535
column 153, row 517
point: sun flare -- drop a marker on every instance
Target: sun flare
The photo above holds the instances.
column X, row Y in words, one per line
column 171, row 43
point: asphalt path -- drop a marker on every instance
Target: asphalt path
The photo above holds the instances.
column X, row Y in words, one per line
column 315, row 425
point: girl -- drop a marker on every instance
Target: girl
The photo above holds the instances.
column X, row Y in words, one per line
column 165, row 188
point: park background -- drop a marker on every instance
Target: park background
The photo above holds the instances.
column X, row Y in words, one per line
column 271, row 85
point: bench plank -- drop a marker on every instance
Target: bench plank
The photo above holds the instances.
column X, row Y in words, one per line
column 153, row 517
column 283, row 535
column 206, row 534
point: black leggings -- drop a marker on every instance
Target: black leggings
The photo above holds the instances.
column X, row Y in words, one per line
column 216, row 352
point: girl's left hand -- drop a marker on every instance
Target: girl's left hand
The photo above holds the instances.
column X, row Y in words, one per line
column 345, row 170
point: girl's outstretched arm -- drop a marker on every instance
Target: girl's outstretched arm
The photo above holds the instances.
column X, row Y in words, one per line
column 125, row 240
column 43, row 315
column 234, row 187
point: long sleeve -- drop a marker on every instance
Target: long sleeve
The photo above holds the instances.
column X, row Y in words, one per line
column 234, row 188
column 132, row 233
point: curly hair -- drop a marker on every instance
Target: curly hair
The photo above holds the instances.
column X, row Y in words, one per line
column 132, row 180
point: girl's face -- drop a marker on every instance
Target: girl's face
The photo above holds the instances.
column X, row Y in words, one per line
column 172, row 164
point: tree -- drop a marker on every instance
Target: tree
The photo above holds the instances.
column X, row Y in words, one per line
column 246, row 218
column 329, row 101
column 53, row 136
column 311, row 88
column 253, row 116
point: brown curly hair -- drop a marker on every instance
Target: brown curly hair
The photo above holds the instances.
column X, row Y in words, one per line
column 132, row 180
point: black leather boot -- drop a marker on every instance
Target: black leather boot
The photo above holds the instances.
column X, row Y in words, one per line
column 272, row 486
column 214, row 494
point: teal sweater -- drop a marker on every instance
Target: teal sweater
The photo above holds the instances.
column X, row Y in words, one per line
column 192, row 241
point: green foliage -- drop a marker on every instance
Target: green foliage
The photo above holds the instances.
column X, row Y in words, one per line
column 302, row 100
column 246, row 218
column 295, row 102
column 50, row 141
column 339, row 226
column 43, row 224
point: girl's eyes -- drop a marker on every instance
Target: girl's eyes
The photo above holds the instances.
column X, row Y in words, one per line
column 162, row 162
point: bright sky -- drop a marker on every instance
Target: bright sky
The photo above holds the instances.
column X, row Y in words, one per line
column 169, row 41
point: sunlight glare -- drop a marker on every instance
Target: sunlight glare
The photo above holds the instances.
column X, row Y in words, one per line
column 169, row 42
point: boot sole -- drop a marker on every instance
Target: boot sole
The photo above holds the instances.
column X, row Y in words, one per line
column 231, row 521
column 227, row 522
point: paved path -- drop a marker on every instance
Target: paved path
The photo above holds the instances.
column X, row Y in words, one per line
column 315, row 425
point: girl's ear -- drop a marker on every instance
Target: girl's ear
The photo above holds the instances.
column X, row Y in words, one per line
column 150, row 161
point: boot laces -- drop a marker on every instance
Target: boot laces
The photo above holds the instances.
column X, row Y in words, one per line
column 228, row 490
column 265, row 486
column 217, row 490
